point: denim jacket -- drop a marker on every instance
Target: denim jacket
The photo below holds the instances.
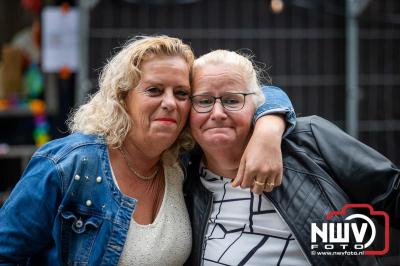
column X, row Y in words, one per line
column 277, row 102
column 66, row 208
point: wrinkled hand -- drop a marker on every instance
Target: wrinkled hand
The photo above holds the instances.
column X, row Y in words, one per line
column 261, row 165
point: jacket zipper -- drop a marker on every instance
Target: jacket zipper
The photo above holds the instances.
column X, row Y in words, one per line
column 210, row 203
column 280, row 215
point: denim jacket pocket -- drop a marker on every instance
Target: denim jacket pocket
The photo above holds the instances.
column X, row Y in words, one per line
column 79, row 233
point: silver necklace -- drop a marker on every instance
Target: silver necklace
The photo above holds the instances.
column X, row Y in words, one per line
column 130, row 167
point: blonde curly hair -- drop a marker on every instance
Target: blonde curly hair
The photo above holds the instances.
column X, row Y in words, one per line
column 105, row 114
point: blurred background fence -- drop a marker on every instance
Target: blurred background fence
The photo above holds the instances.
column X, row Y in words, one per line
column 302, row 46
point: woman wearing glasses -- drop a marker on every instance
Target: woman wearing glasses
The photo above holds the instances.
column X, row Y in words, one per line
column 324, row 169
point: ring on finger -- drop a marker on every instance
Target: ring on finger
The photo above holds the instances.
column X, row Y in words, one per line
column 270, row 184
column 259, row 183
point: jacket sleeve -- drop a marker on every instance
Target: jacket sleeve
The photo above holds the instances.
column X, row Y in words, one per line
column 27, row 216
column 277, row 102
column 363, row 173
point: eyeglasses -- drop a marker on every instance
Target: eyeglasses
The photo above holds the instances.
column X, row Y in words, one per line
column 230, row 101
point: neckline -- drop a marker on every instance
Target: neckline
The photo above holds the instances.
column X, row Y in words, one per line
column 115, row 183
column 162, row 207
column 209, row 176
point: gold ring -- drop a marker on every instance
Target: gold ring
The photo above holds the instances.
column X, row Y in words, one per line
column 259, row 183
column 270, row 184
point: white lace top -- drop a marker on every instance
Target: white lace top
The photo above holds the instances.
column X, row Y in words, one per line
column 168, row 240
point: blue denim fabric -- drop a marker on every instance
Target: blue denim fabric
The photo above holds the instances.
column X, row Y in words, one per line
column 277, row 101
column 66, row 209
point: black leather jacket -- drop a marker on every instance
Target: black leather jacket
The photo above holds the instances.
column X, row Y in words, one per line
column 324, row 168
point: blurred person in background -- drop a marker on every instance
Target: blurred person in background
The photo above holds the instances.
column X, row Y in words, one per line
column 324, row 168
column 111, row 192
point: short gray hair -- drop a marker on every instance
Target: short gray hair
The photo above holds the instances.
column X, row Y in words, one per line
column 244, row 62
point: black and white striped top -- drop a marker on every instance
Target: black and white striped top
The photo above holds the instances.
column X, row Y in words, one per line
column 245, row 229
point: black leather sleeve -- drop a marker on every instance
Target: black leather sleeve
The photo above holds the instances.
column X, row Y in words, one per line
column 363, row 173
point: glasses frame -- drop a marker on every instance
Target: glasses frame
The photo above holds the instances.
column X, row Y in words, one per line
column 220, row 99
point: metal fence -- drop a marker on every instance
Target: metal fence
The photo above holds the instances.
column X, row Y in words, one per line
column 302, row 48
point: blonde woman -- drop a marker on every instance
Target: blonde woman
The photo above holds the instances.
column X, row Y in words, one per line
column 111, row 192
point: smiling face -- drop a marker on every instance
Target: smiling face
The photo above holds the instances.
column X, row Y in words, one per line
column 159, row 105
column 221, row 128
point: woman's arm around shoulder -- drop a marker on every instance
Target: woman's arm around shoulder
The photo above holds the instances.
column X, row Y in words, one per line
column 262, row 159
